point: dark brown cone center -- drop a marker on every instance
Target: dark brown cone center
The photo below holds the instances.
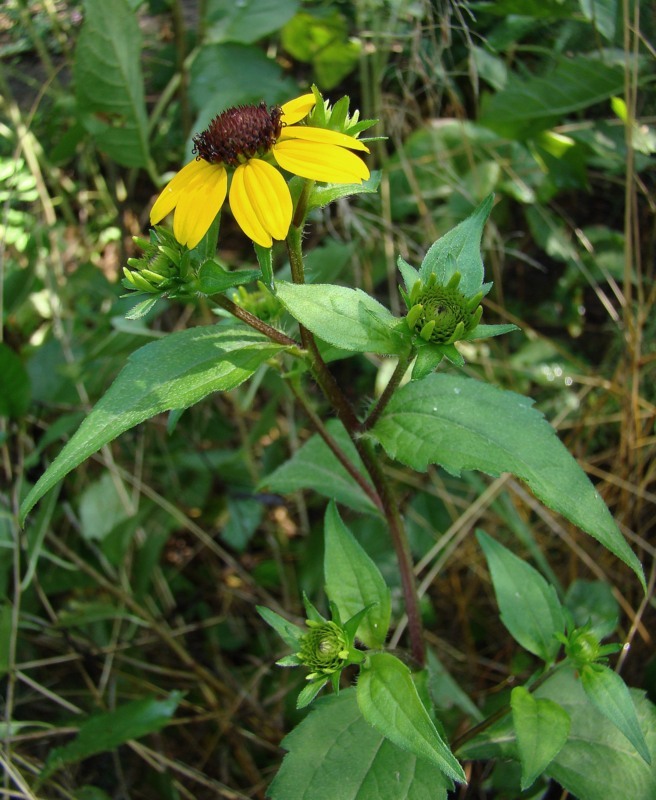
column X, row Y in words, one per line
column 239, row 133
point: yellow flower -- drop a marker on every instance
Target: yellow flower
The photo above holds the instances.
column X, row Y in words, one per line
column 246, row 139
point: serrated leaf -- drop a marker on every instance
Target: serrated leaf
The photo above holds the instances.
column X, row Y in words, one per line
column 354, row 582
column 462, row 423
column 541, row 727
column 314, row 466
column 109, row 83
column 174, row 372
column 335, row 755
column 529, row 606
column 109, row 730
column 459, row 250
column 390, row 703
column 346, row 318
column 610, row 695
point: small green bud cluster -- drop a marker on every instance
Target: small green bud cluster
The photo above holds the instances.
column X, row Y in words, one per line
column 583, row 648
column 324, row 649
column 442, row 314
column 163, row 269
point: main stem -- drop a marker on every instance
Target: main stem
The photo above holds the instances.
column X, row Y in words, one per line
column 349, row 419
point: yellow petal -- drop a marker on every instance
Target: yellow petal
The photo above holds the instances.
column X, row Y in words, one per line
column 261, row 202
column 269, row 197
column 197, row 206
column 168, row 198
column 320, row 162
column 243, row 211
column 296, row 110
column 322, row 135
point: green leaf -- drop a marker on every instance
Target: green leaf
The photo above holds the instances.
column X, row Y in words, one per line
column 487, row 331
column 346, row 318
column 335, row 755
column 542, row 728
column 170, row 373
column 463, row 423
column 354, row 582
column 390, row 703
column 215, row 280
column 459, row 250
column 610, row 695
column 596, row 762
column 246, row 21
column 109, row 84
column 15, row 387
column 314, row 466
column 6, row 627
column 526, row 106
column 104, row 732
column 323, row 194
column 288, row 632
column 529, row 606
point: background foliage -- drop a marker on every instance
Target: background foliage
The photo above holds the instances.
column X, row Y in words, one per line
column 127, row 604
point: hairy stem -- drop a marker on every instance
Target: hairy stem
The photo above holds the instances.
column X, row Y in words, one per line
column 392, row 386
column 254, row 322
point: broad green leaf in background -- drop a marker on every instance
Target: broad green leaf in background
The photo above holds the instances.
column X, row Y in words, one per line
column 246, row 21
column 390, row 702
column 529, row 606
column 14, row 384
column 603, row 14
column 109, row 730
column 314, row 466
column 596, row 762
column 527, row 106
column 354, row 582
column 593, row 602
column 174, row 372
column 323, row 40
column 462, row 423
column 109, row 84
column 347, row 318
column 459, row 250
column 334, row 754
column 100, row 508
column 610, row 695
column 541, row 727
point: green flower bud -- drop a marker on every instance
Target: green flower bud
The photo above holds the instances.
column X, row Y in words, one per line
column 442, row 314
column 261, row 303
column 324, row 649
column 583, row 647
column 163, row 269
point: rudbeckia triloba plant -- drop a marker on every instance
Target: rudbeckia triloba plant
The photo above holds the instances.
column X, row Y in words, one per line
column 377, row 718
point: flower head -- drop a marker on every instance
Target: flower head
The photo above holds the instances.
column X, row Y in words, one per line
column 442, row 314
column 242, row 147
